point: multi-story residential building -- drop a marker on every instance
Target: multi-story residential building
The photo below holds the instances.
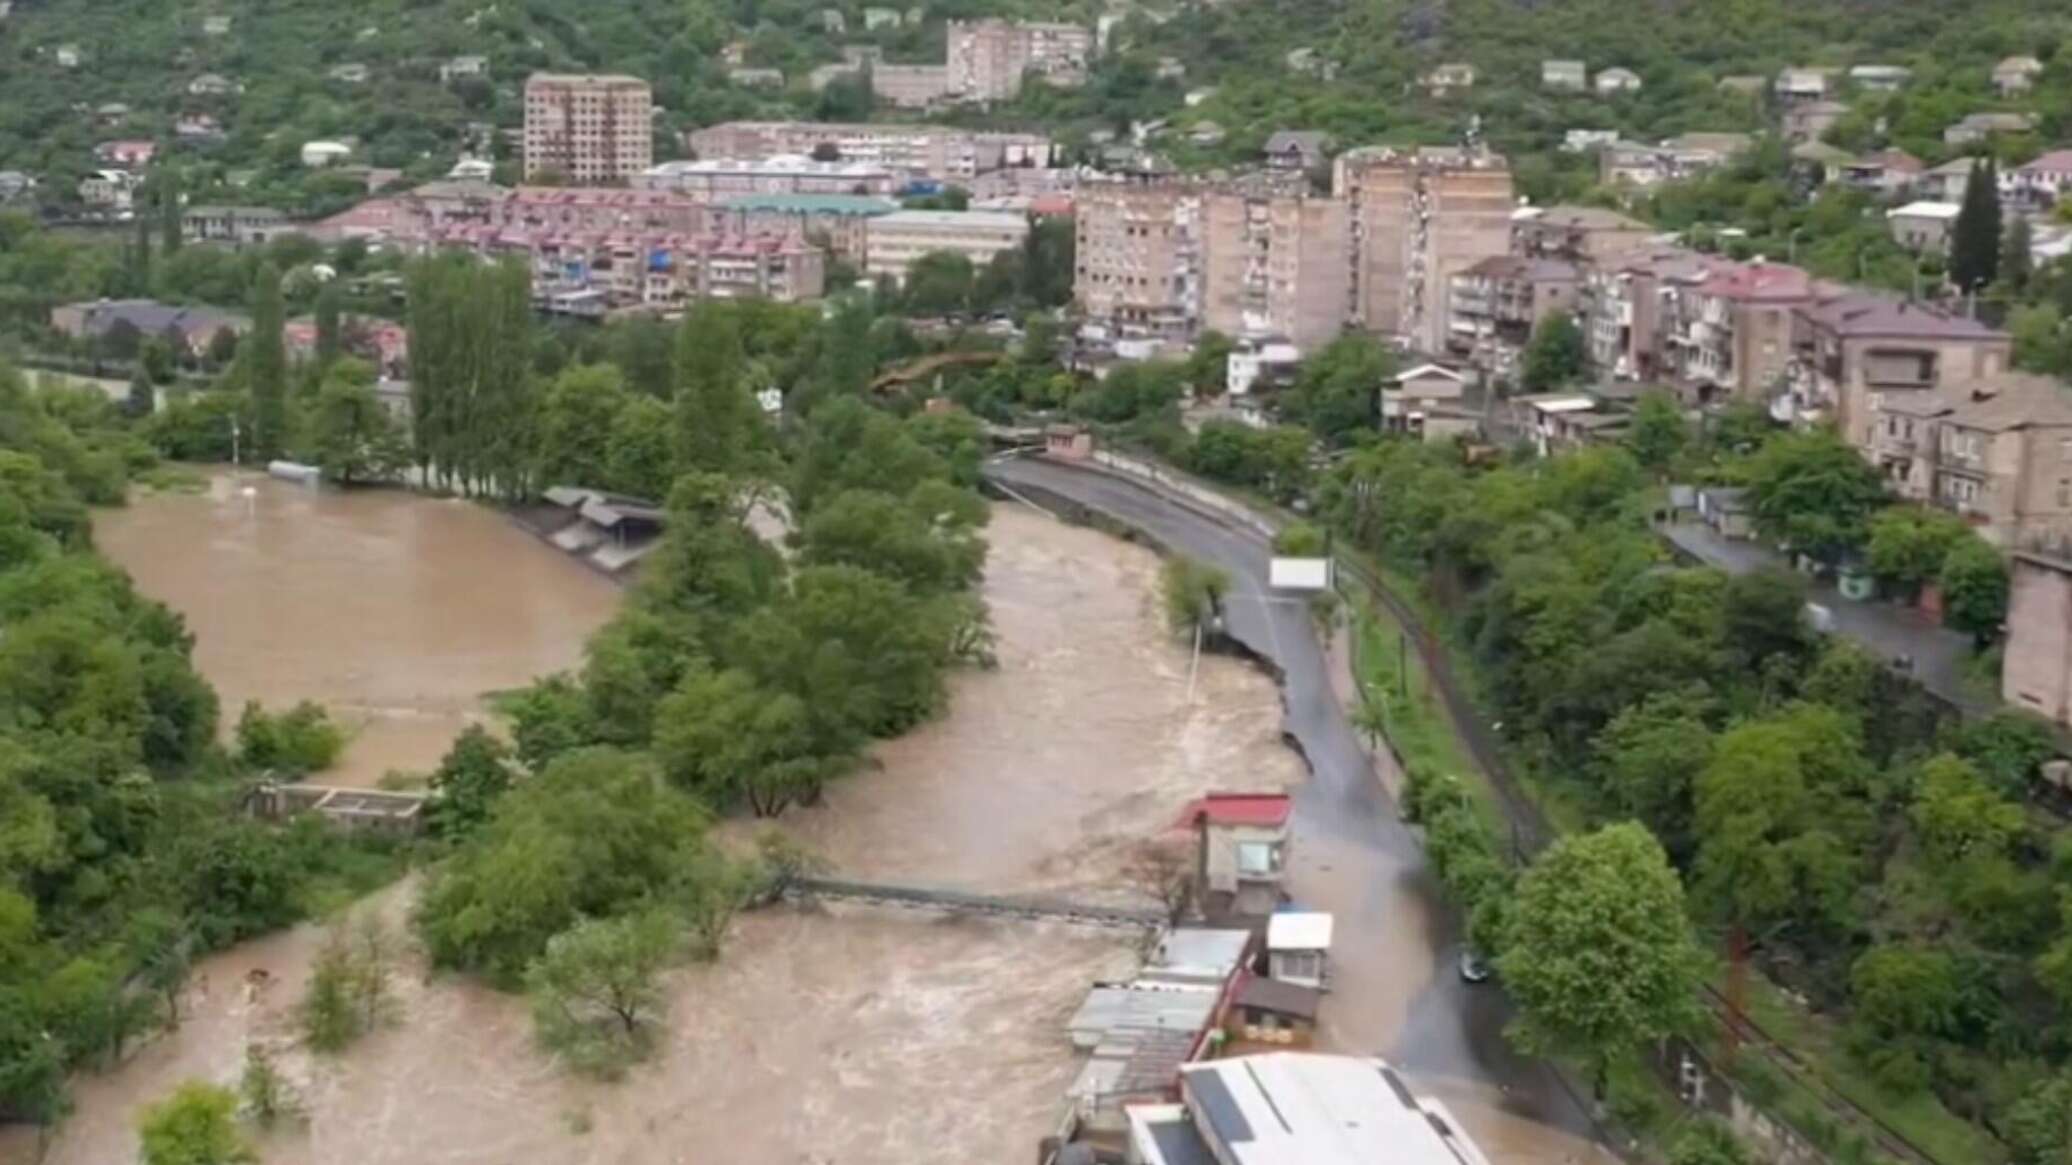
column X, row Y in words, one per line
column 1586, row 234
column 711, row 179
column 1418, row 218
column 112, row 190
column 1493, row 306
column 940, row 153
column 1732, row 333
column 896, row 240
column 910, row 86
column 1633, row 303
column 589, row 128
column 1855, row 350
column 1274, row 262
column 1997, row 452
column 652, row 269
column 1923, row 227
column 1139, row 257
column 839, row 222
column 987, row 59
column 237, row 225
column 1798, row 85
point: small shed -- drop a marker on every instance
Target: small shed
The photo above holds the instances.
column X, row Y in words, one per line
column 1727, row 510
column 1298, row 947
column 1268, row 1011
column 1069, row 442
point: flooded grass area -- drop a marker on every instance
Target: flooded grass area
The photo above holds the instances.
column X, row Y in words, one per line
column 850, row 1034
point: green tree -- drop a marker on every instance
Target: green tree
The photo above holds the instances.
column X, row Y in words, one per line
column 1555, row 356
column 578, row 412
column 726, row 738
column 1659, row 432
column 1193, row 593
column 266, row 365
column 594, row 991
column 352, row 436
column 474, row 773
column 1705, row 1141
column 1601, row 960
column 330, row 324
column 1908, row 544
column 142, row 400
column 1958, row 815
column 1975, row 236
column 716, row 422
column 196, row 1125
column 301, row 740
column 265, row 1093
column 1337, row 391
column 1649, row 759
column 937, row 284
column 1974, row 587
column 1814, row 493
column 2038, row 1126
column 639, row 454
column 2016, row 263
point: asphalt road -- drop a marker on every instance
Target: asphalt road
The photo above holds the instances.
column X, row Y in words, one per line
column 1396, row 990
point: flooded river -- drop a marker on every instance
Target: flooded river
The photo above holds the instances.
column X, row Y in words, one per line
column 850, row 1035
column 397, row 612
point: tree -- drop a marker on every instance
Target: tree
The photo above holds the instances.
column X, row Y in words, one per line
column 166, row 184
column 1337, row 391
column 301, row 740
column 1555, row 355
column 1658, row 433
column 725, row 737
column 265, row 1093
column 1163, row 868
column 2038, row 1127
column 1908, row 544
column 348, row 984
column 142, row 400
column 2016, row 258
column 1193, row 594
column 330, row 324
column 1814, row 493
column 1705, row 1141
column 1974, row 587
column 639, row 454
column 196, row 1125
column 266, row 366
column 578, row 412
column 1601, row 960
column 471, row 384
column 465, row 787
column 1975, row 236
column 1959, row 815
column 161, row 947
column 352, row 436
column 716, row 421
column 594, row 993
column 938, row 283
column 1649, row 759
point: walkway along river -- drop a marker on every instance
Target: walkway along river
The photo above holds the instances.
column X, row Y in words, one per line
column 859, row 1035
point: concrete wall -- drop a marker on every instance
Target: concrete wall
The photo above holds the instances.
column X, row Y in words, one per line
column 2036, row 673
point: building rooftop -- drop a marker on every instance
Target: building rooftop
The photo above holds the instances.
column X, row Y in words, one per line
column 2052, row 161
column 1863, row 313
column 2012, row 401
column 1590, row 218
column 1943, row 210
column 1273, row 995
column 1295, row 1108
column 955, row 219
column 1758, row 281
column 1269, row 810
column 1299, row 930
column 848, row 204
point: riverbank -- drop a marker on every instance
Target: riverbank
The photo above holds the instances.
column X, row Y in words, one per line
column 863, row 1035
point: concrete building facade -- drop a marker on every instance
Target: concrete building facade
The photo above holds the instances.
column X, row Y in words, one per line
column 589, row 128
column 1852, row 349
column 1274, row 264
column 898, row 239
column 986, row 60
column 1139, row 257
column 2036, row 669
column 1419, row 218
column 939, row 153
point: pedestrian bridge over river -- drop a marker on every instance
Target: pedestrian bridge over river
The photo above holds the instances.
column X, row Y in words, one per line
column 800, row 888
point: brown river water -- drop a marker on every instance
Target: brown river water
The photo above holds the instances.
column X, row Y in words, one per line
column 851, row 1035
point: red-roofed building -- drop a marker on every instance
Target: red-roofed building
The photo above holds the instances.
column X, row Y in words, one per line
column 130, row 155
column 1242, row 847
column 1733, row 331
column 1856, row 350
column 1058, row 205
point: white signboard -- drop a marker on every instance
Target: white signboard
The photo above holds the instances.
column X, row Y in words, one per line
column 1299, row 574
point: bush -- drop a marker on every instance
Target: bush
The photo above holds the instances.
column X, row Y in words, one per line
column 1299, row 540
column 1706, row 1142
column 301, row 740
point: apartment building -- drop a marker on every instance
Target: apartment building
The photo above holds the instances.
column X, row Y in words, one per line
column 1997, row 452
column 586, row 272
column 1732, row 334
column 236, row 225
column 1139, row 257
column 1419, row 218
column 1629, row 308
column 1274, row 262
column 1493, row 307
column 1583, row 234
column 896, row 240
column 588, row 128
column 939, row 153
column 986, row 60
column 1854, row 350
column 712, row 179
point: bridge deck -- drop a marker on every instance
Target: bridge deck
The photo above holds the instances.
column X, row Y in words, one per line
column 940, row 898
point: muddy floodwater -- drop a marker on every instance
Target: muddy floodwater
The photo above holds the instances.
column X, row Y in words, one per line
column 395, row 611
column 849, row 1035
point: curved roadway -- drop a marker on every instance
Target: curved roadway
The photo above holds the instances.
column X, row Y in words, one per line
column 1396, row 991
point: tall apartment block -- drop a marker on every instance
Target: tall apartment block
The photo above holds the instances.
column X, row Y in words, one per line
column 1418, row 218
column 1274, row 262
column 588, row 128
column 1139, row 257
column 987, row 59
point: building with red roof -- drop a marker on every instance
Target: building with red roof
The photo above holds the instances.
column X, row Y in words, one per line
column 1242, row 851
column 1732, row 332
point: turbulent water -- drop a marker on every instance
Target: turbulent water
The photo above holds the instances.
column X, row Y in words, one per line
column 858, row 1036
column 397, row 612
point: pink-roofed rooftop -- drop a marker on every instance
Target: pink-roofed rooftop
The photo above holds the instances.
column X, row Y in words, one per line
column 1268, row 810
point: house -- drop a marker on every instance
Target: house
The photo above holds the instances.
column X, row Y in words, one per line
column 1613, row 81
column 197, row 127
column 1728, row 510
column 1701, row 150
column 472, row 170
column 757, row 78
column 1583, row 141
column 1453, row 77
column 1887, row 173
column 1260, row 362
column 1310, row 63
column 2036, row 663
column 2016, row 75
column 1820, row 159
column 218, row 25
column 1553, row 422
column 1494, row 305
column 1283, row 1108
column 1946, row 183
column 1573, row 76
column 111, row 190
column 319, row 154
column 1996, row 452
column 1923, row 227
column 1169, row 69
column 236, row 225
column 111, row 114
column 455, row 68
column 1798, row 85
column 1242, row 851
column 1859, row 347
column 1432, row 401
column 1270, row 1012
column 1880, row 78
column 1809, row 121
column 2041, row 182
column 350, row 74
column 14, row 184
column 212, row 85
column 1206, row 133
column 1300, row 150
column 194, row 327
column 68, row 56
column 1298, row 947
column 877, row 18
column 383, row 343
column 1638, row 164
column 130, row 154
column 831, row 21
column 1979, row 127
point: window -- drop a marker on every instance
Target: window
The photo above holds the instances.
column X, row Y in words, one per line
column 1258, row 858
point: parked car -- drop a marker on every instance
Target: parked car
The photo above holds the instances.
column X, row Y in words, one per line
column 1472, row 967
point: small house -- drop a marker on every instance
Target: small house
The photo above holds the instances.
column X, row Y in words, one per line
column 832, row 21
column 1455, row 76
column 1614, row 81
column 319, row 154
column 1728, row 511
column 756, row 78
column 1068, row 442
column 1298, row 947
column 1923, row 227
column 1880, row 78
column 1572, row 76
column 1298, row 150
column 1427, row 400
column 2015, row 75
column 1242, row 851
column 456, row 68
column 211, row 85
column 1979, row 127
column 1797, row 85
column 877, row 18
column 351, row 73
column 1268, row 1011
column 68, row 56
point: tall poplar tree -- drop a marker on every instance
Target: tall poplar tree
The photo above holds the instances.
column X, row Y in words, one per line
column 715, row 411
column 266, row 365
column 1975, row 237
column 330, row 337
